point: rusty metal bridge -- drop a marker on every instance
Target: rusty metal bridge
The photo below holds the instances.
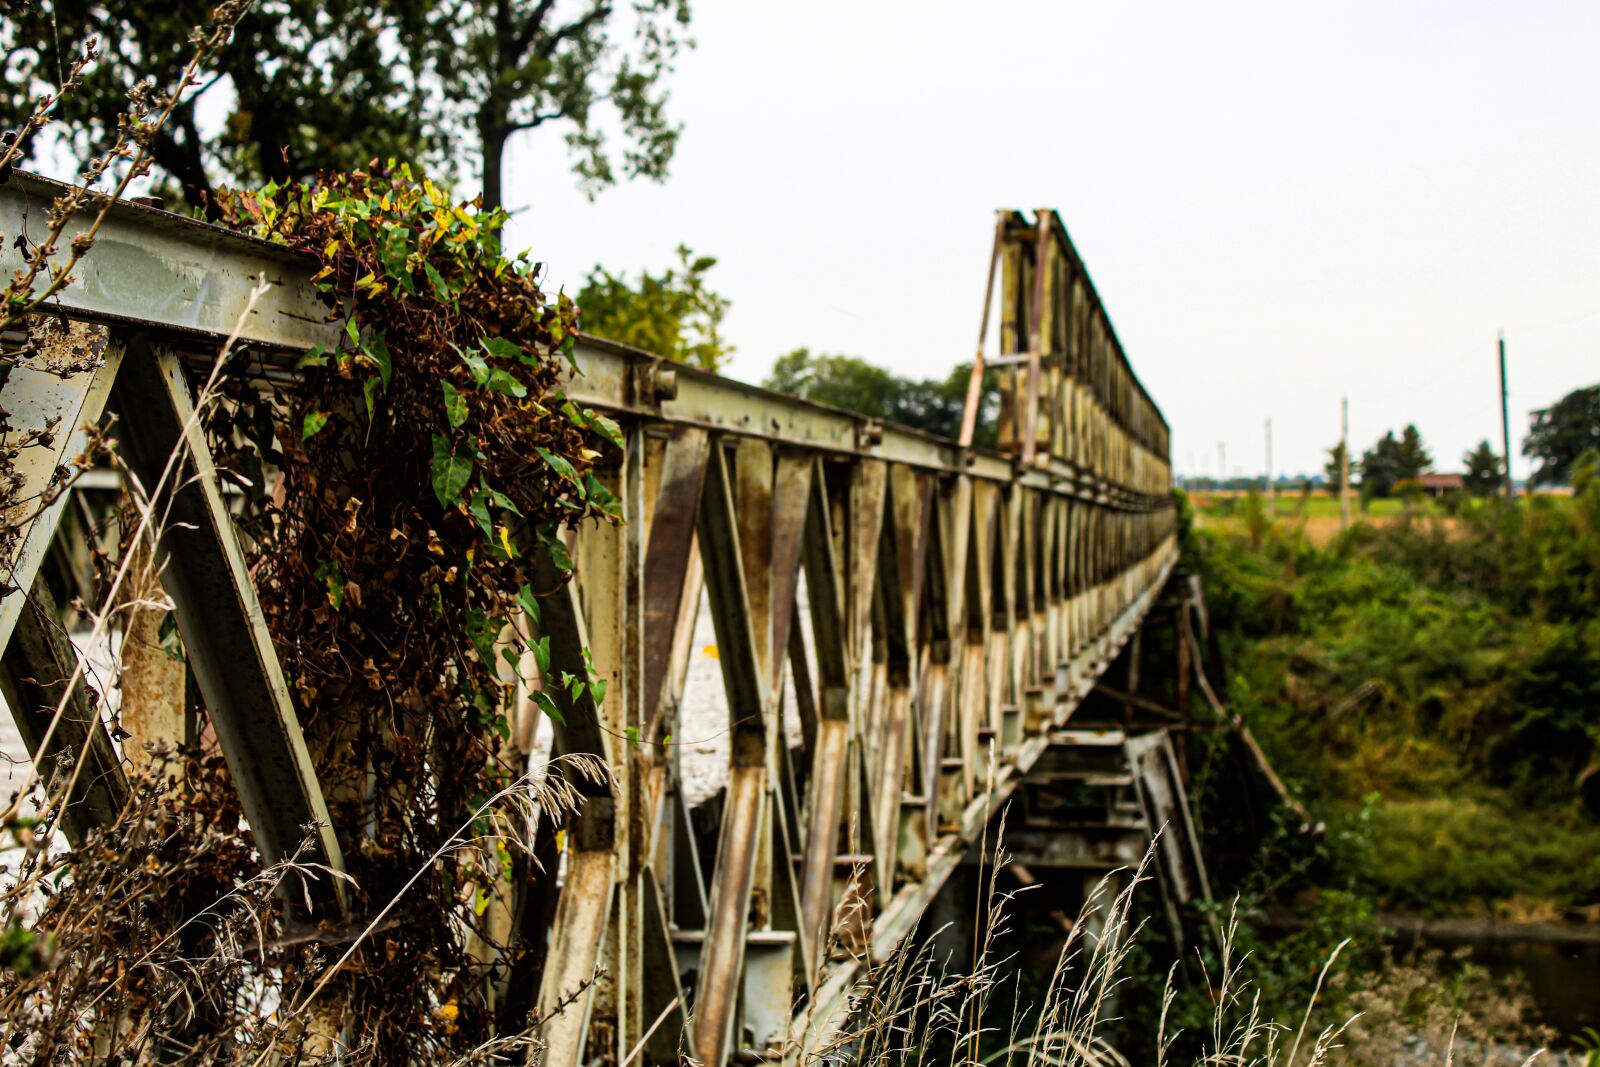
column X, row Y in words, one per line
column 904, row 627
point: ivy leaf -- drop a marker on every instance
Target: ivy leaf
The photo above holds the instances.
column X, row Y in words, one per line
column 529, row 602
column 478, row 506
column 317, row 357
column 455, row 405
column 330, row 575
column 369, row 390
column 376, row 349
column 441, row 291
column 483, row 630
column 548, row 705
column 559, row 464
column 500, row 500
column 600, row 496
column 476, row 364
column 451, row 473
column 541, row 654
column 314, row 421
column 597, row 690
column 550, row 537
column 500, row 348
column 502, row 381
column 607, row 427
column 575, row 414
column 392, row 254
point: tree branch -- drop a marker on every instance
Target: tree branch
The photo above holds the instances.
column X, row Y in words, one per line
column 537, row 120
column 599, row 14
column 524, row 38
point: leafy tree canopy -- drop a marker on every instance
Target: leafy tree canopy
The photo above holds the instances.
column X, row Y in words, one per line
column 1485, row 473
column 673, row 314
column 934, row 405
column 306, row 87
column 1559, row 434
column 311, row 85
column 511, row 65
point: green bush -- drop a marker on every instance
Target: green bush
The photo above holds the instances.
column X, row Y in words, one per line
column 1449, row 664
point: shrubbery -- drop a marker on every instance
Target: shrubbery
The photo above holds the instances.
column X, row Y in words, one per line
column 1449, row 665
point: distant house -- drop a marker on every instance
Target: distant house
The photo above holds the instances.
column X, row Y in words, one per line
column 1435, row 484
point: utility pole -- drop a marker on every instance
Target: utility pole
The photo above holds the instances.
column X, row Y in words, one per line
column 1505, row 415
column 1222, row 463
column 1272, row 496
column 1344, row 462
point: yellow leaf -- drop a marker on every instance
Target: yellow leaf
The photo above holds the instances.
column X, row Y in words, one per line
column 332, row 249
column 561, row 840
column 710, row 652
column 505, row 542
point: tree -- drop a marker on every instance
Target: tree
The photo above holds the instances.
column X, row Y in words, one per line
column 314, row 85
column 518, row 66
column 1559, row 434
column 332, row 85
column 1414, row 457
column 933, row 405
column 1378, row 467
column 1393, row 460
column 1331, row 469
column 673, row 314
column 1485, row 472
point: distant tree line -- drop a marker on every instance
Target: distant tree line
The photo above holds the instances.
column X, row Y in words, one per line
column 1561, row 439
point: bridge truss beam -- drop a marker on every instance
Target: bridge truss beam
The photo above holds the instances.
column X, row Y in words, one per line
column 924, row 614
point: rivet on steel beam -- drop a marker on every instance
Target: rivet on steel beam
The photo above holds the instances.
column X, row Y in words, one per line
column 666, row 383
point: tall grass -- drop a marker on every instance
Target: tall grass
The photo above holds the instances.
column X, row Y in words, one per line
column 917, row 1008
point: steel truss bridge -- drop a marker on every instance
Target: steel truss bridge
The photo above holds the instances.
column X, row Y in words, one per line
column 927, row 613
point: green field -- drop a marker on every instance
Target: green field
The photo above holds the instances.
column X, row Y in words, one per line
column 1315, row 506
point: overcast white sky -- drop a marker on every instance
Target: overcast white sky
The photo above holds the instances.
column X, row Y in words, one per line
column 1279, row 202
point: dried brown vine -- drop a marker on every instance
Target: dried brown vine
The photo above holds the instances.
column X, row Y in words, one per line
column 425, row 470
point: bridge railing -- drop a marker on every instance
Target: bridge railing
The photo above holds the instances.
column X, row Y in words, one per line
column 899, row 623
